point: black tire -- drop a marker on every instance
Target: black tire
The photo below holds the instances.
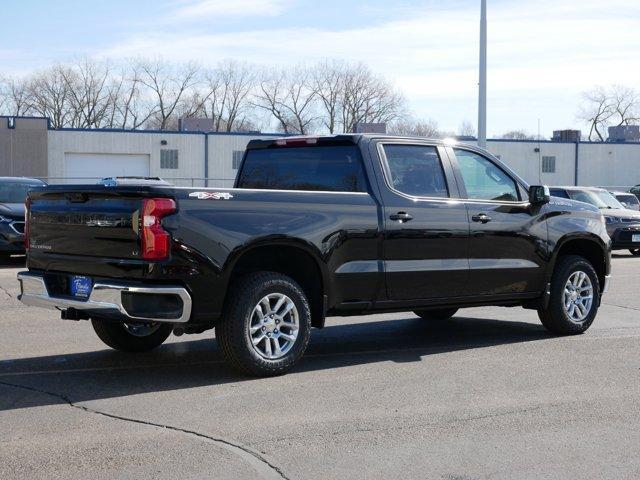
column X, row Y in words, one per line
column 440, row 314
column 635, row 252
column 233, row 331
column 554, row 317
column 116, row 336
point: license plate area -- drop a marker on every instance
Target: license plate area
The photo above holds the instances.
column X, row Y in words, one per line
column 80, row 286
column 635, row 237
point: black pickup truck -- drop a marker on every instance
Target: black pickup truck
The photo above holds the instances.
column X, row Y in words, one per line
column 314, row 227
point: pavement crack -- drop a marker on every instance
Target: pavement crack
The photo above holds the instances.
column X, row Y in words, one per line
column 240, row 450
column 5, row 291
column 620, row 306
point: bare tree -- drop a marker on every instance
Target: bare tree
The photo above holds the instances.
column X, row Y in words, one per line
column 368, row 99
column 618, row 105
column 289, row 96
column 90, row 97
column 130, row 108
column 625, row 103
column 169, row 85
column 15, row 96
column 329, row 80
column 517, row 135
column 415, row 128
column 229, row 87
column 49, row 95
column 466, row 129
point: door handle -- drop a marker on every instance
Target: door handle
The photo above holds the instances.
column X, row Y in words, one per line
column 401, row 217
column 481, row 217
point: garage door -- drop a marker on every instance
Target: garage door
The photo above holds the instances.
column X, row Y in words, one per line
column 91, row 167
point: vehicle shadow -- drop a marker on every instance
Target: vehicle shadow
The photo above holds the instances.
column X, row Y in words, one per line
column 174, row 366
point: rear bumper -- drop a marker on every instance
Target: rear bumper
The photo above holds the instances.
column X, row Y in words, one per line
column 105, row 300
column 607, row 284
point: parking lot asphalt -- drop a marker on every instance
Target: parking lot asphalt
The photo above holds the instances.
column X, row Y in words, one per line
column 488, row 394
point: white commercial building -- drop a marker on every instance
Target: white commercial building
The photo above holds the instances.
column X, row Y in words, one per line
column 28, row 147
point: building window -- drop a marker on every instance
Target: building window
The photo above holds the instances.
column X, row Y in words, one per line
column 237, row 159
column 169, row 159
column 548, row 164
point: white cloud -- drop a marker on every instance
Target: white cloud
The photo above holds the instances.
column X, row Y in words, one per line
column 201, row 9
column 542, row 53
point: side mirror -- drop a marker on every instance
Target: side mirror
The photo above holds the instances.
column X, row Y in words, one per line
column 539, row 195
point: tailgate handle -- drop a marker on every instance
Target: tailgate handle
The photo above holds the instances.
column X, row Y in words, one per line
column 77, row 197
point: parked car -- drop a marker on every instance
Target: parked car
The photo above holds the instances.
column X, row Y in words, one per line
column 636, row 191
column 628, row 200
column 623, row 225
column 314, row 227
column 121, row 181
column 13, row 193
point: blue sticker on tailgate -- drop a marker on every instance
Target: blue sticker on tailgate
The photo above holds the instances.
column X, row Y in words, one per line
column 80, row 286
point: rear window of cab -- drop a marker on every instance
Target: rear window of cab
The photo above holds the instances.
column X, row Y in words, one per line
column 335, row 168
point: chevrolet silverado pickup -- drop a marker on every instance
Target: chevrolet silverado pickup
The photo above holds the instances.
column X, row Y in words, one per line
column 313, row 227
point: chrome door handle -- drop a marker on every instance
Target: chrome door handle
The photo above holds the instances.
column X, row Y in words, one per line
column 481, row 217
column 401, row 217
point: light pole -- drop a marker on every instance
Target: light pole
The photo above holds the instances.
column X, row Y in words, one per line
column 482, row 84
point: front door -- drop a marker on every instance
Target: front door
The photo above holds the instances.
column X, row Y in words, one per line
column 426, row 226
column 507, row 236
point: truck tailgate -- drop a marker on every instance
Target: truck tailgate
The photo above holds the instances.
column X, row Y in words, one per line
column 102, row 222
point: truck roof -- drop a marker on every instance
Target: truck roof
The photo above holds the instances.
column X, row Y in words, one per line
column 339, row 139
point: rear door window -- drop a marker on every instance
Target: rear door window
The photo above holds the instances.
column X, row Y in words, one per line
column 336, row 168
column 416, row 170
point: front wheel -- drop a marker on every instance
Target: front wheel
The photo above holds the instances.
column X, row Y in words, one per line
column 635, row 252
column 575, row 294
column 131, row 336
column 266, row 324
column 439, row 314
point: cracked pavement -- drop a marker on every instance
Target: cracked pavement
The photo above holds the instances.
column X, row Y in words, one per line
column 488, row 394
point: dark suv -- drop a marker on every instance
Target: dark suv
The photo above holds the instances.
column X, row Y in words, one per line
column 13, row 193
column 623, row 224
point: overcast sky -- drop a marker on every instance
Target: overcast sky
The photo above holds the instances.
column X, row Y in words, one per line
column 542, row 54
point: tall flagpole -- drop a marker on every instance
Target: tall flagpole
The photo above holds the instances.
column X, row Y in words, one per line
column 482, row 84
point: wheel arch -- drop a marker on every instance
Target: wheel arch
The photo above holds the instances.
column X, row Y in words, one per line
column 292, row 257
column 591, row 247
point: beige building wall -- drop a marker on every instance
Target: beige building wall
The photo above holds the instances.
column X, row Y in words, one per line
column 23, row 148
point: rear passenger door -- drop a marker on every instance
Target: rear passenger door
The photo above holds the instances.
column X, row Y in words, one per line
column 425, row 247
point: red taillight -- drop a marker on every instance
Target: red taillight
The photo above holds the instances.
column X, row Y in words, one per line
column 27, row 207
column 156, row 242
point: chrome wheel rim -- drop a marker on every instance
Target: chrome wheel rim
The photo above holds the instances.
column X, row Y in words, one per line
column 273, row 329
column 578, row 297
column 141, row 329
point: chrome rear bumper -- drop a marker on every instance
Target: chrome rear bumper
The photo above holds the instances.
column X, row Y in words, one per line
column 105, row 299
column 607, row 284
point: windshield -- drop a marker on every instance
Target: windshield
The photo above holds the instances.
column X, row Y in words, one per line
column 602, row 200
column 16, row 192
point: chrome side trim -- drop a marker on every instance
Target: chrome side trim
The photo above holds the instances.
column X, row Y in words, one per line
column 607, row 284
column 105, row 298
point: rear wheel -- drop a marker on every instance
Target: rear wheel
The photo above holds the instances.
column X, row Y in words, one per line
column 266, row 324
column 635, row 252
column 575, row 294
column 440, row 314
column 131, row 336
